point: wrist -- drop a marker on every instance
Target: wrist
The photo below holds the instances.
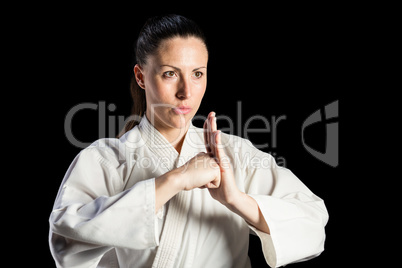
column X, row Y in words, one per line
column 233, row 201
column 175, row 178
column 166, row 186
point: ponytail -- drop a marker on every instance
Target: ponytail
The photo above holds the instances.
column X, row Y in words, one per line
column 138, row 109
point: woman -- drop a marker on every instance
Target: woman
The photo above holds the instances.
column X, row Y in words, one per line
column 168, row 194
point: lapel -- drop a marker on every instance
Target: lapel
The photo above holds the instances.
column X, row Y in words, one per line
column 176, row 216
column 159, row 145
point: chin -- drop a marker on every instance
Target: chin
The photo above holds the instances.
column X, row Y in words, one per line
column 179, row 121
column 172, row 120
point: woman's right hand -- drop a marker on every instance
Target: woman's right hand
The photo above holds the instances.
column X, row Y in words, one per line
column 201, row 171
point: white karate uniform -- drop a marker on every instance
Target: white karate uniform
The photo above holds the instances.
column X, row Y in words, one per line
column 104, row 214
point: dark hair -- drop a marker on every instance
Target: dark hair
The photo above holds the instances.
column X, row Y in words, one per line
column 154, row 31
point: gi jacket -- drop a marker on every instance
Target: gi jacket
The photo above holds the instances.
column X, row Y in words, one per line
column 104, row 213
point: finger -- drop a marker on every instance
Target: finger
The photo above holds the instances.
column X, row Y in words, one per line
column 220, row 153
column 211, row 125
column 214, row 129
column 214, row 126
column 213, row 184
column 206, row 136
column 217, row 141
column 209, row 135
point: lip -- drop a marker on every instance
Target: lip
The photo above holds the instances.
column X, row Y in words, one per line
column 182, row 110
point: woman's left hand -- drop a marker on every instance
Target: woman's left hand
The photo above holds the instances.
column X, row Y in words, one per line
column 227, row 192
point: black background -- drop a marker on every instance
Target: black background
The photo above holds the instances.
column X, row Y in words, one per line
column 288, row 62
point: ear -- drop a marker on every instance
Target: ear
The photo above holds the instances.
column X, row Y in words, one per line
column 138, row 73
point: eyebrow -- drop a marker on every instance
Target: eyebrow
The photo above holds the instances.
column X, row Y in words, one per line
column 177, row 68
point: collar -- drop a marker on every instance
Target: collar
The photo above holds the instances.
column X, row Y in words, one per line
column 156, row 142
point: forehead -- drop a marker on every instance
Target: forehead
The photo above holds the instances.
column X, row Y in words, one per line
column 182, row 52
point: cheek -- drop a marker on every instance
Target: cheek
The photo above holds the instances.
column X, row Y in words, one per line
column 157, row 91
column 200, row 91
column 166, row 91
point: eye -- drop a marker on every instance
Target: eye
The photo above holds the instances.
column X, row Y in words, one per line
column 169, row 74
column 198, row 74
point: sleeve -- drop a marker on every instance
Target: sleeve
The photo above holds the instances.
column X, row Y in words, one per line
column 92, row 214
column 295, row 216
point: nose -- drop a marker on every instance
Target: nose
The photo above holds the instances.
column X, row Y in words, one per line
column 184, row 89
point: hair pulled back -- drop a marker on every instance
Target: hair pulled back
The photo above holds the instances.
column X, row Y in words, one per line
column 154, row 31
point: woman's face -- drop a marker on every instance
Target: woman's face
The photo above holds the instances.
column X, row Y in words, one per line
column 174, row 79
